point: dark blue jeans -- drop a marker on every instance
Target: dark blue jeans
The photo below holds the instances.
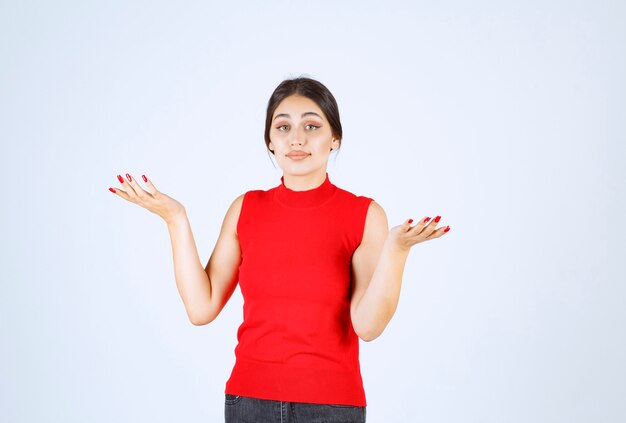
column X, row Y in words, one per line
column 240, row 409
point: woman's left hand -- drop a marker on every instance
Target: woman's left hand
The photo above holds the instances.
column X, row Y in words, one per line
column 405, row 236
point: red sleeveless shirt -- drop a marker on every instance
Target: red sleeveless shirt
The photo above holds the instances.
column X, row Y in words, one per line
column 296, row 342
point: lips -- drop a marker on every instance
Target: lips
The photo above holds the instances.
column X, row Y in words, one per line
column 297, row 154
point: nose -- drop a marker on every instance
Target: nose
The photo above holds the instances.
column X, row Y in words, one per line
column 298, row 137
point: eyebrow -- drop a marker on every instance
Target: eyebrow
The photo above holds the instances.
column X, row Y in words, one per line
column 303, row 115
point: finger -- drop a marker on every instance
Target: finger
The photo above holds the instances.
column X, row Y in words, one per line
column 121, row 193
column 430, row 228
column 150, row 186
column 439, row 232
column 419, row 227
column 125, row 188
column 128, row 189
column 137, row 189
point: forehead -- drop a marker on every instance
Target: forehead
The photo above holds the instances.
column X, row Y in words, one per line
column 296, row 105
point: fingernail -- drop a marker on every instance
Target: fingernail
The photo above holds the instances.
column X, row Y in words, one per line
column 129, row 178
column 120, row 179
column 427, row 219
column 447, row 229
column 112, row 190
column 410, row 221
column 437, row 218
column 144, row 178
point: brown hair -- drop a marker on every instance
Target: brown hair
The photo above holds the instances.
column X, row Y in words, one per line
column 312, row 89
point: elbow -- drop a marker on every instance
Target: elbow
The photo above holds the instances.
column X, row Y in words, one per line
column 201, row 319
column 372, row 330
column 199, row 322
column 369, row 337
column 365, row 333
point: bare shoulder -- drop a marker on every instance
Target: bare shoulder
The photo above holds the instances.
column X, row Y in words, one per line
column 376, row 209
column 375, row 221
column 237, row 202
column 232, row 215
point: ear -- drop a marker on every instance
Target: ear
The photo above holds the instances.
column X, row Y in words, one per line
column 271, row 146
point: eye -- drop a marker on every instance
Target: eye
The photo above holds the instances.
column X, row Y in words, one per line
column 279, row 127
column 314, row 126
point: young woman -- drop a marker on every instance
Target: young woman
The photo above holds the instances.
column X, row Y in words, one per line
column 317, row 266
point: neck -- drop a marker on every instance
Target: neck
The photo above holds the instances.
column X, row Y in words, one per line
column 304, row 182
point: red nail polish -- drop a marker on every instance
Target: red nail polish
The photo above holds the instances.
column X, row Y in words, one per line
column 410, row 221
column 427, row 219
column 437, row 218
column 144, row 178
column 129, row 178
column 119, row 178
column 112, row 190
column 447, row 229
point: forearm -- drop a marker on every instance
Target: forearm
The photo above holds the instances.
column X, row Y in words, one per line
column 192, row 281
column 379, row 303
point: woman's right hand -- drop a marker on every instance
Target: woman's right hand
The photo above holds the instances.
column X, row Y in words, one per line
column 153, row 200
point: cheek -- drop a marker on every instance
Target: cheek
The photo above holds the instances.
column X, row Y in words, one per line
column 276, row 135
column 274, row 139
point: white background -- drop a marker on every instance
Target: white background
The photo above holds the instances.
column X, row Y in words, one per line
column 505, row 118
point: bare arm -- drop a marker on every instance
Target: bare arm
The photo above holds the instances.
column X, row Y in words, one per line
column 223, row 265
column 205, row 291
column 378, row 265
column 366, row 318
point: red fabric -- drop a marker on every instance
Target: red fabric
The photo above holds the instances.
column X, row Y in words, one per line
column 296, row 342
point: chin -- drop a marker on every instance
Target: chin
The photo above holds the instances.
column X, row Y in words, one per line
column 302, row 170
column 296, row 172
